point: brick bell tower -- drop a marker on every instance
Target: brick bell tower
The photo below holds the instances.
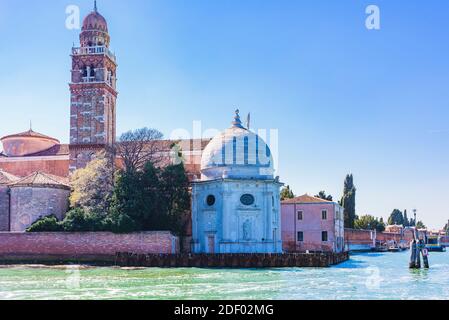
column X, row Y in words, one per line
column 93, row 93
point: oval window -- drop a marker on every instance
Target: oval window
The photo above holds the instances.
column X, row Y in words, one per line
column 210, row 200
column 247, row 199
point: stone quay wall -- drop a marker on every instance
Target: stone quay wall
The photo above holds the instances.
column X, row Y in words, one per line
column 62, row 245
column 292, row 260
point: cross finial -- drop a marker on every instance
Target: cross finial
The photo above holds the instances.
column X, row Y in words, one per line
column 95, row 6
column 31, row 125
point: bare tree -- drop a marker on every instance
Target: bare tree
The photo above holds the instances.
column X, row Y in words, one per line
column 140, row 146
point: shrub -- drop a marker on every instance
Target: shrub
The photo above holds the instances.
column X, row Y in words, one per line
column 77, row 220
column 47, row 224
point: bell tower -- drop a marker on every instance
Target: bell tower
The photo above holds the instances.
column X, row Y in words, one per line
column 93, row 93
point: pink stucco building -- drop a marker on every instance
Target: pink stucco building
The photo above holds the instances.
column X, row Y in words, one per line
column 312, row 224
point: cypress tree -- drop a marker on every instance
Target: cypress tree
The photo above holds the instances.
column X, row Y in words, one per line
column 348, row 201
column 406, row 221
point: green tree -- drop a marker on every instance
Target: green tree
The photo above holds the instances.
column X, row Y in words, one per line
column 176, row 197
column 368, row 222
column 137, row 195
column 78, row 220
column 381, row 226
column 287, row 193
column 322, row 195
column 120, row 223
column 420, row 225
column 92, row 187
column 154, row 198
column 348, row 201
column 396, row 218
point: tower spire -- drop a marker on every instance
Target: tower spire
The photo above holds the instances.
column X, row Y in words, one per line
column 95, row 6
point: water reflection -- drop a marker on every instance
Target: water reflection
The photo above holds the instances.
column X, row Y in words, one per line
column 419, row 274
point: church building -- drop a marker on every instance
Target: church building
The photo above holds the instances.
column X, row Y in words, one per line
column 236, row 203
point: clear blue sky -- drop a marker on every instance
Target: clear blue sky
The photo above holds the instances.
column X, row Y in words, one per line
column 345, row 99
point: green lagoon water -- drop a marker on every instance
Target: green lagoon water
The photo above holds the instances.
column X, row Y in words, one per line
column 365, row 276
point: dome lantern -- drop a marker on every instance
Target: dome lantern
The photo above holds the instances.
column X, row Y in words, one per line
column 237, row 123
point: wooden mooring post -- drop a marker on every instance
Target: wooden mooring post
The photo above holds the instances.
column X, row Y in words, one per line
column 425, row 254
column 413, row 254
column 418, row 249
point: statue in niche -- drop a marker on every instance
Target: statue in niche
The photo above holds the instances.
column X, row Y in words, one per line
column 247, row 230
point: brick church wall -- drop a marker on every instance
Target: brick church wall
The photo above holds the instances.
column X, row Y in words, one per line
column 90, row 243
column 28, row 165
column 29, row 204
column 4, row 208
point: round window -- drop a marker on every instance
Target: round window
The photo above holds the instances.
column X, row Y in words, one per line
column 210, row 200
column 247, row 199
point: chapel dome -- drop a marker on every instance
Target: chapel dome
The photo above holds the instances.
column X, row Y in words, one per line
column 237, row 153
column 26, row 143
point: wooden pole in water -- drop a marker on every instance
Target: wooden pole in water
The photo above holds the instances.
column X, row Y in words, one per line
column 424, row 254
column 412, row 254
column 418, row 255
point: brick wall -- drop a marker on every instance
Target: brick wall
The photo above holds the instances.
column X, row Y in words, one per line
column 4, row 209
column 58, row 166
column 364, row 239
column 98, row 243
column 389, row 236
column 359, row 240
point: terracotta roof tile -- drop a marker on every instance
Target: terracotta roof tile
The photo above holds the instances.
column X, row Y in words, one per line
column 29, row 133
column 42, row 180
column 7, row 178
column 305, row 199
column 57, row 150
column 186, row 145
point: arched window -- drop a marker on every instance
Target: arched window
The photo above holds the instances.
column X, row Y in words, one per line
column 234, row 150
column 246, row 152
